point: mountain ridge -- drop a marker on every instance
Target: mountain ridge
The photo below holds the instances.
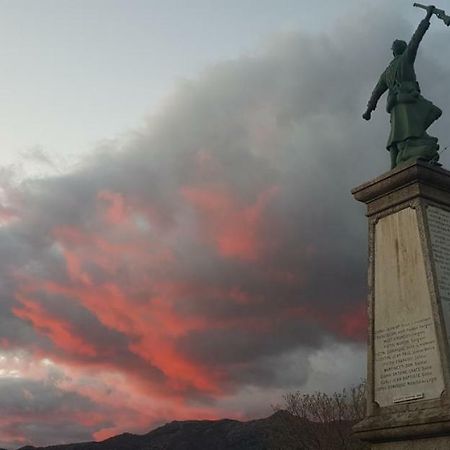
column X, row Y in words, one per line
column 276, row 432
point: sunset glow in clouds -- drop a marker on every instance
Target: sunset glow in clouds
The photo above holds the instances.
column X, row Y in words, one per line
column 203, row 265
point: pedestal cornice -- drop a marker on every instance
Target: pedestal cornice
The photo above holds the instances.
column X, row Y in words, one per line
column 403, row 184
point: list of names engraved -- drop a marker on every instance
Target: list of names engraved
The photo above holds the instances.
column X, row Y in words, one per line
column 407, row 364
column 439, row 226
column 404, row 359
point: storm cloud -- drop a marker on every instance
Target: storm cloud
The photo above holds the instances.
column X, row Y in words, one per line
column 216, row 251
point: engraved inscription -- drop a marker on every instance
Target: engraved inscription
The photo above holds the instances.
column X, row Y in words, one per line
column 439, row 225
column 407, row 365
column 404, row 358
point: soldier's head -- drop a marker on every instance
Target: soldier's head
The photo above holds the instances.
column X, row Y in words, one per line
column 398, row 47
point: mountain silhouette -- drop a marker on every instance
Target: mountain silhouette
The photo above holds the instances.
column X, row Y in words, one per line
column 280, row 431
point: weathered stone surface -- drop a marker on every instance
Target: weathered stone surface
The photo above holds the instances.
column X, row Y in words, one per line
column 407, row 366
column 409, row 309
column 439, row 228
column 404, row 184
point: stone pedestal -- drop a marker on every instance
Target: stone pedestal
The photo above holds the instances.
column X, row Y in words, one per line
column 409, row 309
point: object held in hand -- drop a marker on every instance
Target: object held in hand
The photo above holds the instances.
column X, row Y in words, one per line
column 440, row 13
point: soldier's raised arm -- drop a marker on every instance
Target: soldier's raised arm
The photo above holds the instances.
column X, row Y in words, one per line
column 411, row 51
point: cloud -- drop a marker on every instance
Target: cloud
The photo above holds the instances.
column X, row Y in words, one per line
column 210, row 256
column 34, row 404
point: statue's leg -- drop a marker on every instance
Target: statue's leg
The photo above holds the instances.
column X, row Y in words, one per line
column 424, row 148
column 393, row 150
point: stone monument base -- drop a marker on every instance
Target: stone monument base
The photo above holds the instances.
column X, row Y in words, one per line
column 417, row 426
column 408, row 376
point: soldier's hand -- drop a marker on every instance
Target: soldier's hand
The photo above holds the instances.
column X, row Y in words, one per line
column 367, row 115
column 430, row 10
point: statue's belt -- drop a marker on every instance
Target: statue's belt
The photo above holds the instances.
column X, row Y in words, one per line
column 407, row 92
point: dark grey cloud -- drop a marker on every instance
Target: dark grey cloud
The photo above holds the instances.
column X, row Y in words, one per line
column 38, row 409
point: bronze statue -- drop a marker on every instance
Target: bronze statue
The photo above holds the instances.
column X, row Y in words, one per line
column 411, row 114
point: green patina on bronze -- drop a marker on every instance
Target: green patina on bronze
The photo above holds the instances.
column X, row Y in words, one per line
column 411, row 114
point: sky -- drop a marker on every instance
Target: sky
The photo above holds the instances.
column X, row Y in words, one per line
column 177, row 235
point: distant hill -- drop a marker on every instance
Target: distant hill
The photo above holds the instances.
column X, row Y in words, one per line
column 281, row 431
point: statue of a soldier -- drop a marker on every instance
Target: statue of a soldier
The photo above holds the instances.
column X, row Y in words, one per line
column 411, row 114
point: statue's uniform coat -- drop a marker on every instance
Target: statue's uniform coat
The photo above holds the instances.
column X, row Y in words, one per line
column 411, row 114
